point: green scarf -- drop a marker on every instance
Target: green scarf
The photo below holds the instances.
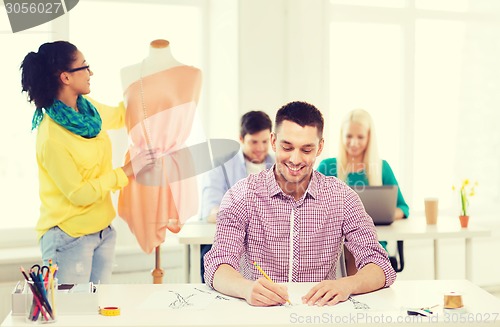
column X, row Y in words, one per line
column 86, row 122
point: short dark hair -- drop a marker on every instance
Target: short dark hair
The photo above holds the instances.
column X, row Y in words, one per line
column 301, row 113
column 40, row 71
column 253, row 122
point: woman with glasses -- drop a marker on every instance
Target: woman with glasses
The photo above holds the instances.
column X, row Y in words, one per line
column 73, row 153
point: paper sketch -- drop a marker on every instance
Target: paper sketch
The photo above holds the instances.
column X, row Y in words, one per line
column 191, row 298
column 297, row 290
column 358, row 305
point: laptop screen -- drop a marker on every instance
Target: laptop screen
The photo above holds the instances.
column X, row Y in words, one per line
column 379, row 202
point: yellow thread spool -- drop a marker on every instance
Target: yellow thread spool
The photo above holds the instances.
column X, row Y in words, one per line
column 109, row 311
column 453, row 300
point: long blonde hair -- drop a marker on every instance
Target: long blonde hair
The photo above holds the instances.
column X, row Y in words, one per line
column 371, row 159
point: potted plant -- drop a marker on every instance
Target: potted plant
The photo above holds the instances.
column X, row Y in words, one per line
column 465, row 191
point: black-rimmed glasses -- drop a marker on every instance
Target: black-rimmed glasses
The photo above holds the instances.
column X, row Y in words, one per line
column 72, row 70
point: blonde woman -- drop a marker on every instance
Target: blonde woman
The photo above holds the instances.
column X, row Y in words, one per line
column 358, row 162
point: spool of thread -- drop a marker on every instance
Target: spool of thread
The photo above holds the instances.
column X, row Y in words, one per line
column 453, row 300
column 109, row 311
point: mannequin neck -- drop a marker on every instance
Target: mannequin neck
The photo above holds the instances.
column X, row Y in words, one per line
column 160, row 56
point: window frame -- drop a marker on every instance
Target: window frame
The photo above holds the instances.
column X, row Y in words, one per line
column 407, row 17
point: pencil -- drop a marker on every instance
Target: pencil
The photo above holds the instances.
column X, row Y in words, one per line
column 52, row 269
column 266, row 276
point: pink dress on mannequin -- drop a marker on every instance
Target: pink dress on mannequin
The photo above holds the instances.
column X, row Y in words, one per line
column 160, row 113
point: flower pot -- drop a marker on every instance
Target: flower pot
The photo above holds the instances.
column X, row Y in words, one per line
column 464, row 221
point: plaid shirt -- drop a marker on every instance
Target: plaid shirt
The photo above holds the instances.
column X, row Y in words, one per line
column 293, row 241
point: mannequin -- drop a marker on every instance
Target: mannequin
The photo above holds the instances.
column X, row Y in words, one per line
column 160, row 58
column 161, row 95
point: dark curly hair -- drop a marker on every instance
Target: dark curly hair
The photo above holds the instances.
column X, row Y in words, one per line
column 301, row 113
column 40, row 71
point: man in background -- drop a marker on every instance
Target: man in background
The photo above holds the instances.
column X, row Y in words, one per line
column 253, row 157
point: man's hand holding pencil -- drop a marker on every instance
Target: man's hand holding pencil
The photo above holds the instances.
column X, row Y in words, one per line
column 265, row 292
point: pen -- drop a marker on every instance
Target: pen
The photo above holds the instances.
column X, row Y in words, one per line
column 266, row 276
column 36, row 297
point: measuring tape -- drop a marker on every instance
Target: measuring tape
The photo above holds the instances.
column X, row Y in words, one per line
column 109, row 311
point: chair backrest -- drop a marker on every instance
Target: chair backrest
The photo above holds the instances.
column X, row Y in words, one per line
column 398, row 260
column 346, row 266
column 341, row 266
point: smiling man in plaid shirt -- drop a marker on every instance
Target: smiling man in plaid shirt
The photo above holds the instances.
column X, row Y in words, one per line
column 293, row 221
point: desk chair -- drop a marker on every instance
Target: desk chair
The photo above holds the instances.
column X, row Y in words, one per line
column 349, row 266
column 398, row 260
column 341, row 264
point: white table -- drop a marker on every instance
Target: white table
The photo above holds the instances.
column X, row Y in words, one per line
column 447, row 228
column 159, row 305
column 194, row 234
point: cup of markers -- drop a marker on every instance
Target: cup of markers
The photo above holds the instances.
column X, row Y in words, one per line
column 41, row 299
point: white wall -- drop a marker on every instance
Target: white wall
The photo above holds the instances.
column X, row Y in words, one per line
column 222, row 86
column 281, row 54
column 307, row 52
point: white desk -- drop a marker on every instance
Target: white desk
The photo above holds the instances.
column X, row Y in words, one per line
column 153, row 305
column 415, row 228
column 192, row 236
column 447, row 228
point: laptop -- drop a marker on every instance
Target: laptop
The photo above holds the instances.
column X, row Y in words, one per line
column 379, row 201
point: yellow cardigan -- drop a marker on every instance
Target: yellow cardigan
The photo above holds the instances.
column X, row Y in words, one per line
column 76, row 175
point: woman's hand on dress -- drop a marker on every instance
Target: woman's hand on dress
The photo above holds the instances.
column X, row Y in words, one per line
column 144, row 160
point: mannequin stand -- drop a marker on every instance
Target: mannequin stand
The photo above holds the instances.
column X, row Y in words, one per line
column 157, row 273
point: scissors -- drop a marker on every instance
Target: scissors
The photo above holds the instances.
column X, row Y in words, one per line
column 42, row 272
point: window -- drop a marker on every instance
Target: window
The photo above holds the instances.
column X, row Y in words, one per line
column 428, row 72
column 125, row 40
column 18, row 170
column 372, row 82
column 438, row 89
column 373, row 3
